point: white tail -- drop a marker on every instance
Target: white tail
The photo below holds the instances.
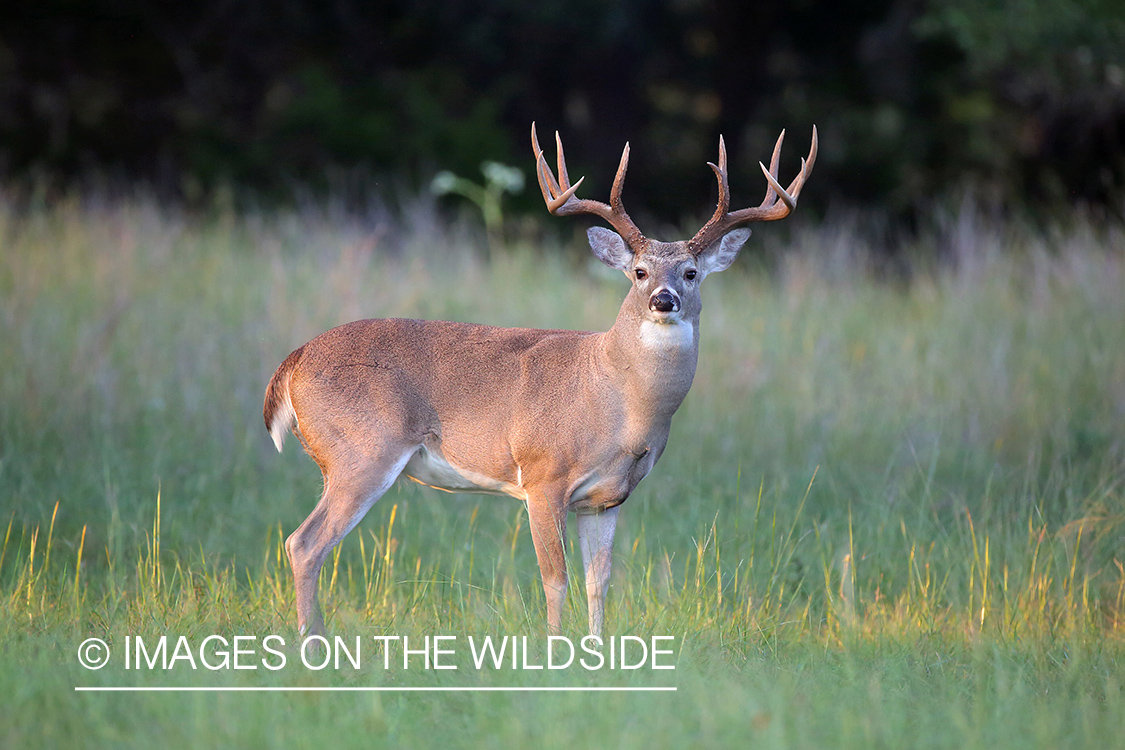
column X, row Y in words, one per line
column 565, row 421
column 280, row 416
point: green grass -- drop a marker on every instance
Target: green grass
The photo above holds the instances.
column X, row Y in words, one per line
column 891, row 513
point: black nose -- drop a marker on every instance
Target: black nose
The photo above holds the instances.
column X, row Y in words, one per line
column 662, row 302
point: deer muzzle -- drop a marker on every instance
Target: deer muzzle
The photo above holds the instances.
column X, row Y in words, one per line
column 664, row 301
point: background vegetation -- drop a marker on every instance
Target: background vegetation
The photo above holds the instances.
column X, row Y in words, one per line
column 1022, row 101
column 891, row 511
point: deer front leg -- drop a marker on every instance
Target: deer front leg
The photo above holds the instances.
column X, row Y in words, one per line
column 595, row 538
column 547, row 515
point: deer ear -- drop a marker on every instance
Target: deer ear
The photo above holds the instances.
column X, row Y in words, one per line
column 720, row 255
column 609, row 248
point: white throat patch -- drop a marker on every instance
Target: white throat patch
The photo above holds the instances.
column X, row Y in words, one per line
column 675, row 334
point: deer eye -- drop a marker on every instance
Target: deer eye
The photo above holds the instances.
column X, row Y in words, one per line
column 690, row 274
column 640, row 273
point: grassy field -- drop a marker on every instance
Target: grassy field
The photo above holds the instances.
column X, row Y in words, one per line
column 891, row 513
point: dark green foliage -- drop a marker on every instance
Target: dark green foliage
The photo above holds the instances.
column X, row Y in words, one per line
column 1021, row 101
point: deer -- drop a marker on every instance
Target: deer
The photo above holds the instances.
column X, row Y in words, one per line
column 565, row 421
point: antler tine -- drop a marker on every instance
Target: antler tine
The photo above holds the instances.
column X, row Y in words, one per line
column 775, row 189
column 790, row 194
column 722, row 167
column 774, row 160
column 547, row 183
column 554, row 195
column 555, row 203
column 771, row 208
column 806, row 167
column 720, row 171
column 560, row 200
column 564, row 178
column 615, row 201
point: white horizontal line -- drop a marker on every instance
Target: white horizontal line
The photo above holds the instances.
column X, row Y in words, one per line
column 313, row 689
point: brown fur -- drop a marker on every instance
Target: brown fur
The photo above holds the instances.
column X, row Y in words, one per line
column 568, row 420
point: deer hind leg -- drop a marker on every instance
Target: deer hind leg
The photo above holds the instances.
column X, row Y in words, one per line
column 349, row 492
column 547, row 515
column 595, row 538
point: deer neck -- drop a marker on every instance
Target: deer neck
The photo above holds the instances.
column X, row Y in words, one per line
column 653, row 361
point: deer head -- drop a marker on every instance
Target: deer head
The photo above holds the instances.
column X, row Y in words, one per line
column 666, row 275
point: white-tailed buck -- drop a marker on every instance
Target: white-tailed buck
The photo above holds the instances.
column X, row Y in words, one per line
column 563, row 420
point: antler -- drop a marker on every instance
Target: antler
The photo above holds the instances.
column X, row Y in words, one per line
column 561, row 201
column 771, row 208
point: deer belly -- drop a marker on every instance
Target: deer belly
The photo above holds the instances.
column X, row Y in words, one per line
column 430, row 468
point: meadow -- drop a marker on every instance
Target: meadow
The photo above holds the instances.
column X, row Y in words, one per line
column 891, row 512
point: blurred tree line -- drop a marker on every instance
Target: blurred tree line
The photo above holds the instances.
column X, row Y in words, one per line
column 1021, row 100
